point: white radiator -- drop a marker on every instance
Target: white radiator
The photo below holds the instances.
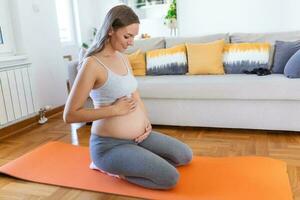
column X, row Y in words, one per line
column 16, row 98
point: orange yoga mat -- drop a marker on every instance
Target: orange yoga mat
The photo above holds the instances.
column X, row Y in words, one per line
column 207, row 178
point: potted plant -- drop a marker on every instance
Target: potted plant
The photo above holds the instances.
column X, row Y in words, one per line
column 171, row 17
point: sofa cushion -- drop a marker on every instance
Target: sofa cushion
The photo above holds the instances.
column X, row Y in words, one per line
column 138, row 63
column 283, row 52
column 265, row 37
column 229, row 86
column 172, row 41
column 146, row 45
column 168, row 61
column 239, row 57
column 292, row 68
column 205, row 58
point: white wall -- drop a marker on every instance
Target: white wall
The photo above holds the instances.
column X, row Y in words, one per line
column 36, row 33
column 203, row 16
column 199, row 17
column 292, row 15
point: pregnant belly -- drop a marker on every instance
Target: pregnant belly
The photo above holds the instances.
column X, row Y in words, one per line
column 127, row 126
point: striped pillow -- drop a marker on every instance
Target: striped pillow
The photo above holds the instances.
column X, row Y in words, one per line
column 239, row 57
column 169, row 61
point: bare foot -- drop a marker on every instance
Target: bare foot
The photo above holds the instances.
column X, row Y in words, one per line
column 122, row 177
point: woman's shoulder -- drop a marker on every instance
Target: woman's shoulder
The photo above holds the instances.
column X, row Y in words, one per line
column 89, row 63
column 91, row 66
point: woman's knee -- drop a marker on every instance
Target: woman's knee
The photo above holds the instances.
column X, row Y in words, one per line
column 168, row 179
column 170, row 148
column 185, row 156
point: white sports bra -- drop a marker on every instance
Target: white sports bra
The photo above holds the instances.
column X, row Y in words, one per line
column 116, row 86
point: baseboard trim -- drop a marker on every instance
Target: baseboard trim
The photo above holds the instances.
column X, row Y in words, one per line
column 27, row 123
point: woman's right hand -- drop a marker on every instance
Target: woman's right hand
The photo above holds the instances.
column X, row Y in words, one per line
column 124, row 105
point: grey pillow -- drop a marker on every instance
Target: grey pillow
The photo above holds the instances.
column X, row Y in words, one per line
column 283, row 52
column 292, row 67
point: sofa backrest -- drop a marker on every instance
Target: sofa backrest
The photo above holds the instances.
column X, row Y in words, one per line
column 264, row 37
column 161, row 42
column 172, row 41
column 147, row 44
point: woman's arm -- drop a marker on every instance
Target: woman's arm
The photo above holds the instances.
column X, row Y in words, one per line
column 84, row 82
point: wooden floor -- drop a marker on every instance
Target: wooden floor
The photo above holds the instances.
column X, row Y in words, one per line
column 204, row 142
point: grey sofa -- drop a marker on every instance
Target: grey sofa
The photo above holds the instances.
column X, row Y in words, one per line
column 231, row 101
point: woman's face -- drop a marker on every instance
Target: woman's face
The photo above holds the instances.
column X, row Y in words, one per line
column 123, row 37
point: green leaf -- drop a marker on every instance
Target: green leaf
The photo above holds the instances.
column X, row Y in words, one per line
column 172, row 12
column 85, row 45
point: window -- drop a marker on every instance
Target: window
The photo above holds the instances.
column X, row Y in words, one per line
column 65, row 17
column 1, row 37
column 141, row 3
column 7, row 47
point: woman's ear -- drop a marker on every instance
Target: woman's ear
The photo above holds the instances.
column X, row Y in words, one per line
column 110, row 32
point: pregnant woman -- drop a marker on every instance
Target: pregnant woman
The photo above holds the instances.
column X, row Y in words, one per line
column 122, row 142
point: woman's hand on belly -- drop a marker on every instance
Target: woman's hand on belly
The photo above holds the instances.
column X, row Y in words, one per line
column 124, row 105
column 130, row 126
column 148, row 130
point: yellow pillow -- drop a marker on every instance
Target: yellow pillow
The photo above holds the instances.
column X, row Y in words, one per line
column 205, row 58
column 138, row 63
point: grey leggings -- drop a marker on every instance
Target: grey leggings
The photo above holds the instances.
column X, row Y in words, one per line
column 150, row 164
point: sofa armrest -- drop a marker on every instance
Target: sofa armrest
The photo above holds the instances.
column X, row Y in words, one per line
column 72, row 72
column 68, row 86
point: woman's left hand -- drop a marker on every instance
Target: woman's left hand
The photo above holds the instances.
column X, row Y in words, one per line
column 146, row 134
